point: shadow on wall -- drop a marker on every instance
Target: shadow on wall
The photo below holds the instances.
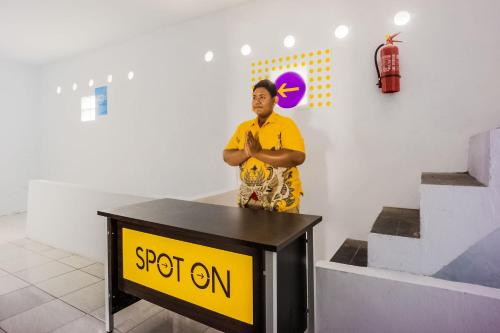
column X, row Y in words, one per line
column 480, row 264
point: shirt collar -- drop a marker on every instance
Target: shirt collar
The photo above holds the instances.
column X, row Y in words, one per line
column 272, row 119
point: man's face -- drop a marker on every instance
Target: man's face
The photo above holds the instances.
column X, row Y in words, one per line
column 263, row 103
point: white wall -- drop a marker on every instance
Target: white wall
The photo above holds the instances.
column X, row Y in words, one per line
column 161, row 135
column 19, row 133
column 361, row 299
column 167, row 127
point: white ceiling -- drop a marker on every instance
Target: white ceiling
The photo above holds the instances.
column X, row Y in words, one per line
column 43, row 31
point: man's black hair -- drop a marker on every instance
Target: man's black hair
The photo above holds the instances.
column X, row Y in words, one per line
column 268, row 85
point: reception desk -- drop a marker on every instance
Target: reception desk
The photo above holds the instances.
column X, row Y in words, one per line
column 234, row 269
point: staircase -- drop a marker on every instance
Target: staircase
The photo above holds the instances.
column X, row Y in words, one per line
column 352, row 252
column 458, row 211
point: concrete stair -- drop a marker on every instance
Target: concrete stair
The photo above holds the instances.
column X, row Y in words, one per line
column 400, row 222
column 449, row 179
column 352, row 252
column 457, row 211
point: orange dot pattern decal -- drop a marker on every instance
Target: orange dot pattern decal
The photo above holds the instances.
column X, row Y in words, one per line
column 317, row 65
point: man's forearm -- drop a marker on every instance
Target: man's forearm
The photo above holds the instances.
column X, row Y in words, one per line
column 234, row 157
column 281, row 158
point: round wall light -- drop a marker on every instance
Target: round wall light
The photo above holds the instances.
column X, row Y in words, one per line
column 91, row 83
column 110, row 78
column 130, row 75
column 289, row 41
column 74, row 87
column 246, row 50
column 209, row 56
column 341, row 31
column 58, row 90
column 401, row 18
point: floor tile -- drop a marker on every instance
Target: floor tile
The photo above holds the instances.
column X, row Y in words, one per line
column 98, row 314
column 158, row 323
column 10, row 251
column 212, row 330
column 24, row 261
column 43, row 318
column 96, row 269
column 183, row 324
column 135, row 314
column 9, row 283
column 77, row 261
column 56, row 254
column 6, row 246
column 87, row 324
column 166, row 321
column 31, row 245
column 38, row 247
column 28, row 309
column 43, row 272
column 67, row 283
column 87, row 299
column 22, row 241
column 131, row 316
column 22, row 300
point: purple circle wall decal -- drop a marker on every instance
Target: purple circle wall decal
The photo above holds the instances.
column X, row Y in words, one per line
column 291, row 89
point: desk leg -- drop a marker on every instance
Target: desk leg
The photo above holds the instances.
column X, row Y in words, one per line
column 108, row 284
column 310, row 281
column 271, row 291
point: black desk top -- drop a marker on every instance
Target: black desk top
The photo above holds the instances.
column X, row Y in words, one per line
column 255, row 228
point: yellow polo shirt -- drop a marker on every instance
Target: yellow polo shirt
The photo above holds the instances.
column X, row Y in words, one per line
column 262, row 185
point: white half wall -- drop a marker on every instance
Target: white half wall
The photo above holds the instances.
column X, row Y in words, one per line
column 19, row 133
column 366, row 300
column 65, row 216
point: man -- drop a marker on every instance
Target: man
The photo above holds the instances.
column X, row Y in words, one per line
column 268, row 150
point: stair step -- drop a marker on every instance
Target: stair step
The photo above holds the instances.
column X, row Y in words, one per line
column 398, row 222
column 453, row 179
column 352, row 252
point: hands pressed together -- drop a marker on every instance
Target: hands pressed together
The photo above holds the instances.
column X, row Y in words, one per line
column 277, row 158
column 252, row 144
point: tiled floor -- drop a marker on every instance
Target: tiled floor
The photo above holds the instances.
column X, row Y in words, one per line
column 44, row 289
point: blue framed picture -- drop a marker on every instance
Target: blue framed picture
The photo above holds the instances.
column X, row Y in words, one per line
column 101, row 100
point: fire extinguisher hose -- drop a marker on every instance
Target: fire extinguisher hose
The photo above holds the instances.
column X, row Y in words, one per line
column 379, row 83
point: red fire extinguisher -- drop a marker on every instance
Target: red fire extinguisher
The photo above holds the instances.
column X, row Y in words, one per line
column 388, row 71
